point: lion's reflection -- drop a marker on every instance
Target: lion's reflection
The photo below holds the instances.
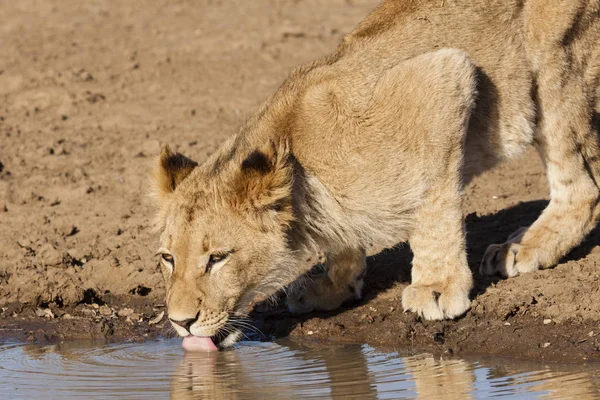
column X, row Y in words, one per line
column 291, row 371
column 342, row 372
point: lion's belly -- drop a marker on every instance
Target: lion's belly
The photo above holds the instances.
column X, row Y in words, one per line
column 503, row 121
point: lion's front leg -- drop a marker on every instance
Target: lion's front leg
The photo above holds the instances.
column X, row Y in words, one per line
column 441, row 278
column 341, row 282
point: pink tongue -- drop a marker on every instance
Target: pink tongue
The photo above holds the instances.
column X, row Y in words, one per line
column 196, row 343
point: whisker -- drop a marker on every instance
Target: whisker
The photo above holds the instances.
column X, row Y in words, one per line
column 242, row 321
column 251, row 328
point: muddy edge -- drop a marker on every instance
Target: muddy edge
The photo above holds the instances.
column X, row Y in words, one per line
column 90, row 92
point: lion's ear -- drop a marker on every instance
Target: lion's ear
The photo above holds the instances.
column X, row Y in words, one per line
column 264, row 182
column 171, row 170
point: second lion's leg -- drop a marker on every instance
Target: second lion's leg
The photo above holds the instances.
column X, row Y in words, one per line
column 567, row 74
column 343, row 281
column 567, row 142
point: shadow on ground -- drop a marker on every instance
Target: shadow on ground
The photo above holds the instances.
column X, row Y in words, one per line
column 391, row 267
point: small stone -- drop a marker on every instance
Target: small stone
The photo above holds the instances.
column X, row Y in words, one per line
column 157, row 319
column 591, row 334
column 88, row 312
column 49, row 255
column 547, row 321
column 67, row 229
column 96, row 306
column 507, row 324
column 105, row 310
column 75, row 254
column 309, row 332
column 135, row 317
column 125, row 312
column 67, row 316
column 26, row 243
column 44, row 313
column 546, row 344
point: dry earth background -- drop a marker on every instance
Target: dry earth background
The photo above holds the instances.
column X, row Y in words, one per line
column 88, row 93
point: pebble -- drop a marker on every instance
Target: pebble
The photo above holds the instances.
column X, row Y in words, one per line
column 44, row 312
column 125, row 312
column 547, row 321
column 67, row 316
column 75, row 254
column 591, row 334
column 24, row 243
column 105, row 310
column 309, row 332
column 49, row 255
column 157, row 319
column 88, row 312
column 546, row 344
column 135, row 317
column 67, row 229
column 507, row 324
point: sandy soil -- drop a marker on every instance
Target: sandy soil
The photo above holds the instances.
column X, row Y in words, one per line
column 89, row 91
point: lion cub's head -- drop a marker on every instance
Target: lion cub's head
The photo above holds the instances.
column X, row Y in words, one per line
column 224, row 235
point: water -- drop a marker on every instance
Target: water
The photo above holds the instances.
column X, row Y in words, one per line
column 277, row 370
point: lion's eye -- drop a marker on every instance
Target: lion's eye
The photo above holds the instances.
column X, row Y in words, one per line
column 167, row 258
column 214, row 259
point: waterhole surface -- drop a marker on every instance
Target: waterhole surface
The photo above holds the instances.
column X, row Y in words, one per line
column 275, row 370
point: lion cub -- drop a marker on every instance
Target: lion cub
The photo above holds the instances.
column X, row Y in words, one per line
column 372, row 145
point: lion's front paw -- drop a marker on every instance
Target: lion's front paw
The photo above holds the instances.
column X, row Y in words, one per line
column 435, row 302
column 320, row 294
column 508, row 260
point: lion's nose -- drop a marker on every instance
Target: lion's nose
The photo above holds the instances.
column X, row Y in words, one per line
column 185, row 323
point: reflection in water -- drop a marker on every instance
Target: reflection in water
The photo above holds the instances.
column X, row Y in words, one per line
column 277, row 370
column 284, row 371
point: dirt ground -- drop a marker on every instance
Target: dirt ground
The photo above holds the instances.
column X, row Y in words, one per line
column 90, row 90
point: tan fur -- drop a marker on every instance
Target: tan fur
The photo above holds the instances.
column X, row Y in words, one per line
column 372, row 145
